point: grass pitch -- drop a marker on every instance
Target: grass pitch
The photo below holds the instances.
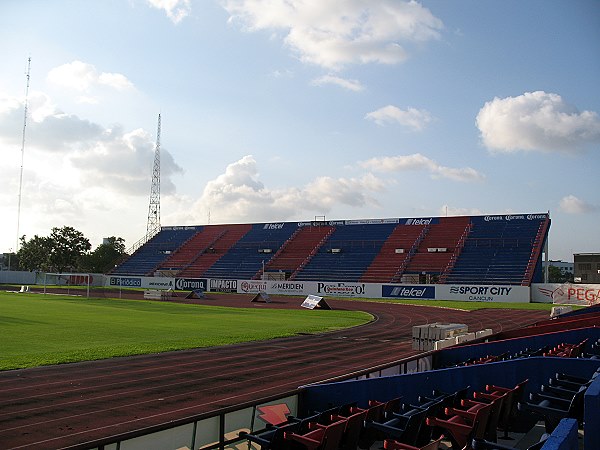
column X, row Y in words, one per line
column 40, row 329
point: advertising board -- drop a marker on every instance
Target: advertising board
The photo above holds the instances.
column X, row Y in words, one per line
column 483, row 293
column 566, row 293
column 140, row 282
column 584, row 294
column 407, row 292
column 191, row 284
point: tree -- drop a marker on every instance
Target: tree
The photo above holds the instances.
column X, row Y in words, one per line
column 9, row 261
column 105, row 256
column 33, row 254
column 58, row 252
column 555, row 275
column 68, row 246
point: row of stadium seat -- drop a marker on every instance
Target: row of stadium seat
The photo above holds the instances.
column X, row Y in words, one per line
column 455, row 250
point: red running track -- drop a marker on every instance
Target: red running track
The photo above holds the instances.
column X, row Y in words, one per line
column 60, row 406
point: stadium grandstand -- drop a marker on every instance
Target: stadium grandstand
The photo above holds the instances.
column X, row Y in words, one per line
column 484, row 250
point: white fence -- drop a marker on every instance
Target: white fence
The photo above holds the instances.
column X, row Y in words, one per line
column 485, row 293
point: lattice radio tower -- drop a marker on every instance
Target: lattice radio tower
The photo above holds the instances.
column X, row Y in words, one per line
column 153, row 226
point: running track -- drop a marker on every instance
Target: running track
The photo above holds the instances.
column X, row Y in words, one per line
column 61, row 406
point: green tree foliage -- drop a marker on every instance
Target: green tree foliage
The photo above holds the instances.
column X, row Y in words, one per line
column 68, row 250
column 34, row 254
column 105, row 256
column 555, row 275
column 9, row 261
column 68, row 246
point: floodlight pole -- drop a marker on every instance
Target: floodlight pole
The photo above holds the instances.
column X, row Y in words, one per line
column 23, row 153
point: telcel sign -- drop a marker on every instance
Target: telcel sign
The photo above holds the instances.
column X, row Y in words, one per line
column 427, row 292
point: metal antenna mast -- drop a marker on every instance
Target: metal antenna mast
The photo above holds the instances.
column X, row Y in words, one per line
column 22, row 154
column 153, row 226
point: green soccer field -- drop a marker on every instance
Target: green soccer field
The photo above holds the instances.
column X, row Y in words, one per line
column 40, row 329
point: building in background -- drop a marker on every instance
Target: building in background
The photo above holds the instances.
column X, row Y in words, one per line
column 566, row 268
column 587, row 268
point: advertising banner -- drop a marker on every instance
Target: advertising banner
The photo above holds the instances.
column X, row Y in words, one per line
column 252, row 286
column 566, row 293
column 191, row 284
column 407, row 292
column 217, row 285
column 557, row 293
column 140, row 282
column 483, row 293
column 341, row 289
column 272, row 287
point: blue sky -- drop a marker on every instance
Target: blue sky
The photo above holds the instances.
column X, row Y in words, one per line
column 279, row 110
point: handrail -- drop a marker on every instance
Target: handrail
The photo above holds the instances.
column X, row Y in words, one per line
column 312, row 253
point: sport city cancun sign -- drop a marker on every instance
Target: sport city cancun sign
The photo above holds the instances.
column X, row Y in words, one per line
column 483, row 293
column 473, row 293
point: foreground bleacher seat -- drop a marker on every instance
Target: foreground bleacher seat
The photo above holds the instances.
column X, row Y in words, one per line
column 395, row 445
column 571, row 382
column 319, row 436
column 355, row 419
column 566, row 350
column 462, row 426
column 377, row 412
column 273, row 437
column 482, row 444
column 490, row 432
column 552, row 409
column 508, row 411
column 403, row 426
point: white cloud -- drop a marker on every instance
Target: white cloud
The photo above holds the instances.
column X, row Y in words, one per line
column 336, row 33
column 447, row 210
column 282, row 73
column 238, row 195
column 106, row 158
column 176, row 10
column 418, row 161
column 351, row 85
column 573, row 205
column 83, row 77
column 536, row 121
column 416, row 119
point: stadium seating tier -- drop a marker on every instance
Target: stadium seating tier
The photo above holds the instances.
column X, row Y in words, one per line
column 448, row 250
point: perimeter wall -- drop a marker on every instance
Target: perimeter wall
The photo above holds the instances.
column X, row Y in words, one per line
column 480, row 293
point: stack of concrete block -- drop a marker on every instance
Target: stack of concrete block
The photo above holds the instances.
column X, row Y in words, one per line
column 425, row 336
column 465, row 337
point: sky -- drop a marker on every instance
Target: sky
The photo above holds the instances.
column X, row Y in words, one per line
column 291, row 110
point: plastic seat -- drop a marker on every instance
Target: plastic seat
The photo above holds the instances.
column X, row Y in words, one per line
column 355, row 420
column 404, row 426
column 463, row 426
column 319, row 436
column 552, row 409
column 508, row 411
